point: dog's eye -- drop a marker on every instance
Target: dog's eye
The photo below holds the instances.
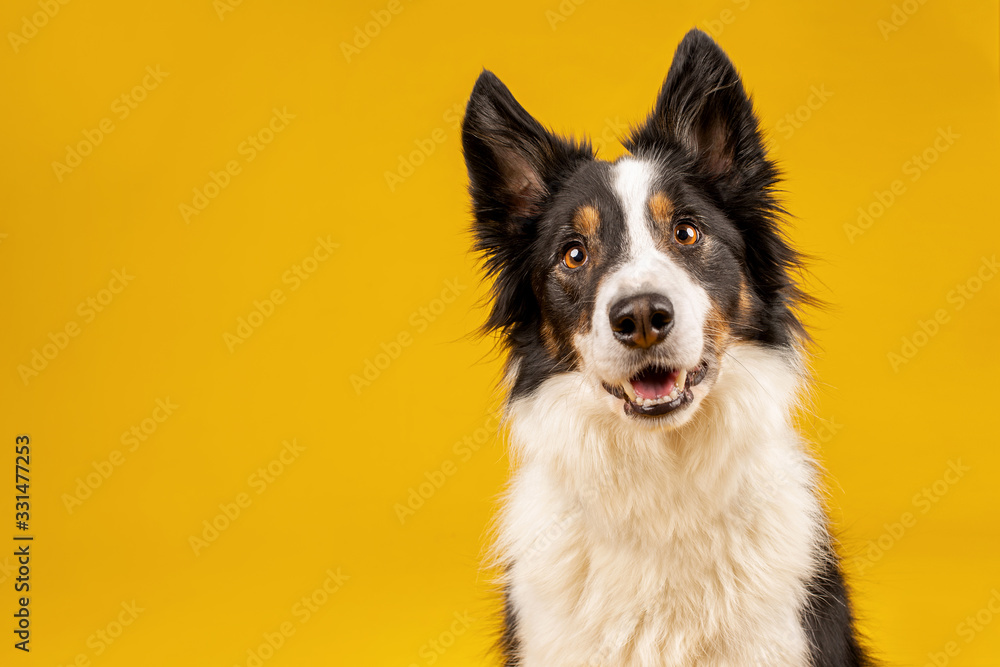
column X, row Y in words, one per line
column 575, row 256
column 686, row 234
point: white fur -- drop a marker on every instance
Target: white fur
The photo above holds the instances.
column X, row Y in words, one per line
column 638, row 546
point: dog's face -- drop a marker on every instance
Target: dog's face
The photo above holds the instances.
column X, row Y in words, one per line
column 638, row 273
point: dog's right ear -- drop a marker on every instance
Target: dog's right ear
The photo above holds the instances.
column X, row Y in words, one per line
column 512, row 160
column 514, row 166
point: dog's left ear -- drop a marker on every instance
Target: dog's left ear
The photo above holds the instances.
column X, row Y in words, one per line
column 704, row 111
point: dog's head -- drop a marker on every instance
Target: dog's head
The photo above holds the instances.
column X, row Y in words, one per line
column 638, row 273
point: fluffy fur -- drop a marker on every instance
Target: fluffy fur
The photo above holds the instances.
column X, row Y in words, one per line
column 663, row 510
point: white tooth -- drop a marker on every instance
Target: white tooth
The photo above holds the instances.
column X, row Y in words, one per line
column 629, row 391
column 681, row 379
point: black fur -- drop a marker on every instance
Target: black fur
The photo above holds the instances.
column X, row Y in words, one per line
column 507, row 643
column 829, row 620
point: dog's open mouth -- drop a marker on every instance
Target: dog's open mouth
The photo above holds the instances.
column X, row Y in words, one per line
column 655, row 391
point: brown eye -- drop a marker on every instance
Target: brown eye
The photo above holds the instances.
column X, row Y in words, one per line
column 686, row 234
column 575, row 257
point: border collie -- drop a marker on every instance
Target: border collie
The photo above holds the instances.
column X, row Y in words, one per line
column 663, row 510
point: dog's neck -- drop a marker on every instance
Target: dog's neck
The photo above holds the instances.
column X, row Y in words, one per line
column 621, row 469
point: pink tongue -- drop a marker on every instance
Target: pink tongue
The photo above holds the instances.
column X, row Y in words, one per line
column 654, row 384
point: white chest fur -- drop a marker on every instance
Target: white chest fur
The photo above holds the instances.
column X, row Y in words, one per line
column 628, row 546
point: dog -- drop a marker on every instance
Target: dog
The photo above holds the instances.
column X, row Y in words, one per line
column 663, row 509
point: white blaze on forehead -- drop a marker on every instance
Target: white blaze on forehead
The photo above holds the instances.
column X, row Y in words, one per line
column 633, row 183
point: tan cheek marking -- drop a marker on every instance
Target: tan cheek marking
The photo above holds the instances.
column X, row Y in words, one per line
column 717, row 330
column 661, row 208
column 549, row 339
column 583, row 322
column 743, row 317
column 746, row 301
column 587, row 220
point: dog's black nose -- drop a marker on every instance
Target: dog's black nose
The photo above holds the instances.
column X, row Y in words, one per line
column 643, row 320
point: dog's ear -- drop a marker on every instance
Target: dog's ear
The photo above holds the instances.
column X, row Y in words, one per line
column 514, row 166
column 512, row 160
column 704, row 114
column 703, row 110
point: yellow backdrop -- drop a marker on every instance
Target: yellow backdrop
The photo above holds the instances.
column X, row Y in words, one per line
column 237, row 300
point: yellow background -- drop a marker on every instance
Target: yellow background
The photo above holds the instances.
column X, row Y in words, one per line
column 591, row 67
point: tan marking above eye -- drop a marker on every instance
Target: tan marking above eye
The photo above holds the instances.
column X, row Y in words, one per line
column 587, row 220
column 661, row 208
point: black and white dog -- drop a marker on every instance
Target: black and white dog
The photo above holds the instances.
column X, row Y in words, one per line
column 663, row 510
